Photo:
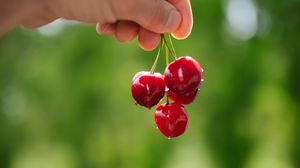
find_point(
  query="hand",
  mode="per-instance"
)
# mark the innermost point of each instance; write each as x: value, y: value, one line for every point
x: 147, y: 24
x: 125, y: 19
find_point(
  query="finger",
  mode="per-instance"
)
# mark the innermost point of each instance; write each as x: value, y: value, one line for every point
x: 106, y: 28
x: 148, y: 40
x: 38, y: 22
x: 158, y: 16
x: 185, y: 28
x: 126, y: 31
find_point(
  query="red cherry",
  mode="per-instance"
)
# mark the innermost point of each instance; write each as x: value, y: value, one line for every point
x: 147, y: 89
x: 139, y: 74
x: 171, y: 119
x: 183, y: 99
x: 183, y: 75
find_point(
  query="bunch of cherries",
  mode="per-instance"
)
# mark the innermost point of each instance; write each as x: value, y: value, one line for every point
x: 180, y: 82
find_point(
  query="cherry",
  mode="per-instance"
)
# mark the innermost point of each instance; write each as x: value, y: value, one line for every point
x: 147, y: 89
x: 183, y: 99
x: 138, y: 74
x: 183, y: 75
x: 171, y: 119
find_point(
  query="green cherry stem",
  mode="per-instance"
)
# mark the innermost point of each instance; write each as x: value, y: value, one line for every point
x: 169, y: 45
x: 157, y: 57
x: 167, y: 62
x: 167, y: 54
x: 172, y: 46
x: 167, y: 98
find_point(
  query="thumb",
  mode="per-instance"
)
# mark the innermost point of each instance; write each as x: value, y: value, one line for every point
x: 158, y: 16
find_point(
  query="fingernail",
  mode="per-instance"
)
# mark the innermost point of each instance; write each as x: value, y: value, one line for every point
x: 173, y: 21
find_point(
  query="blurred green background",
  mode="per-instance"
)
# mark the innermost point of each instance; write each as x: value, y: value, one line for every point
x: 65, y: 98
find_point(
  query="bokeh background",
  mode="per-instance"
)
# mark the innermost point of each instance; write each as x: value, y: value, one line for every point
x: 65, y: 99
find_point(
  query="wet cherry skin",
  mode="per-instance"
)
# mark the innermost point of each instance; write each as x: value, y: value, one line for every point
x: 147, y: 89
x: 171, y: 119
x: 183, y: 75
x: 187, y: 98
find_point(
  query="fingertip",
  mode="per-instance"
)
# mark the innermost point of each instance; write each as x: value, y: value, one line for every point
x: 183, y: 32
x: 98, y: 28
x: 148, y: 40
x: 127, y: 39
x: 186, y: 24
x: 106, y: 29
x: 126, y: 31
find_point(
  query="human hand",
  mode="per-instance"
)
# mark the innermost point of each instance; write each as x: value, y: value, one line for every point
x: 150, y: 20
x: 125, y: 19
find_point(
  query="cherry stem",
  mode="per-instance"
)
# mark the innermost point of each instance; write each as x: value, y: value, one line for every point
x: 168, y: 47
x: 172, y: 46
x: 167, y: 97
x: 169, y: 44
x: 157, y: 57
x: 167, y: 60
x: 167, y: 54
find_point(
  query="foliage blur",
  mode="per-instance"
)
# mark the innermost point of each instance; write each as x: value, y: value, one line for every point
x: 65, y: 99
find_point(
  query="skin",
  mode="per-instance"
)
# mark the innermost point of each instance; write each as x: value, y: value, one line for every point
x: 125, y: 19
